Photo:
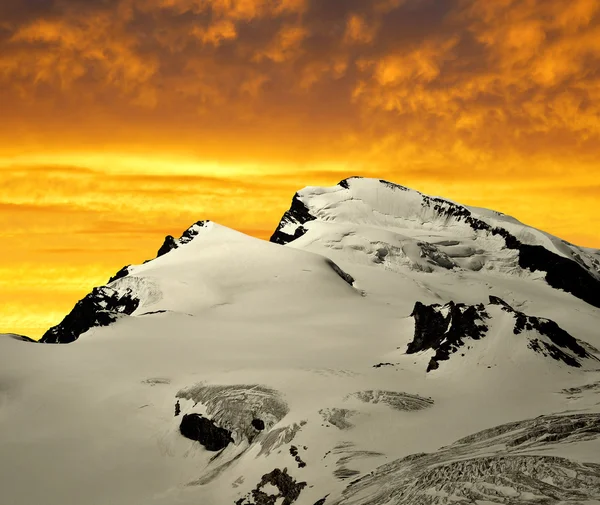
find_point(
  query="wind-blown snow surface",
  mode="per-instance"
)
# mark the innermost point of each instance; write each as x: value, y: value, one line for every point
x: 311, y: 363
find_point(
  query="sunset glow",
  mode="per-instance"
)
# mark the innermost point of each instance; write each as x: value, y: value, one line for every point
x: 126, y: 120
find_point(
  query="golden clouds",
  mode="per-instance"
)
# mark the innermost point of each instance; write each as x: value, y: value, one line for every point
x: 61, y: 52
x: 215, y: 33
x: 358, y: 30
x: 231, y: 105
x: 285, y: 45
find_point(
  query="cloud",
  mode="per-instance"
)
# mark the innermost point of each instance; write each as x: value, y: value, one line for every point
x: 125, y: 115
x: 358, y: 30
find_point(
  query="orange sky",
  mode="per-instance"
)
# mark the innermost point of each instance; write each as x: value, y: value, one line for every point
x: 125, y: 120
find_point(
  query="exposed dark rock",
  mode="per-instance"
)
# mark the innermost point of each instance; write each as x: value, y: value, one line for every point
x: 101, y: 307
x: 345, y: 183
x: 435, y: 255
x: 557, y: 336
x: 177, y: 408
x: 120, y: 274
x: 104, y: 305
x: 296, y: 456
x: 149, y: 313
x: 393, y: 185
x: 443, y: 328
x: 203, y: 430
x: 433, y: 365
x: 546, y: 328
x: 346, y: 276
x: 258, y: 424
x: 297, y: 214
x: 171, y: 242
x: 495, y: 300
x: 379, y: 365
x: 321, y: 501
x: 287, y: 488
x: 561, y: 273
x: 168, y: 245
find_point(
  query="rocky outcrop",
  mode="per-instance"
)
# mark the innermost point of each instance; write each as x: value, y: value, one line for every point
x: 203, y: 430
x: 561, y: 273
x: 443, y: 328
x: 558, y: 344
x: 188, y: 235
x: 103, y: 306
x: 124, y: 272
x: 286, y: 492
x: 298, y: 214
x: 344, y: 275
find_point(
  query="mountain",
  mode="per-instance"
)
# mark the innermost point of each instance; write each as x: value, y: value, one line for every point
x: 384, y: 347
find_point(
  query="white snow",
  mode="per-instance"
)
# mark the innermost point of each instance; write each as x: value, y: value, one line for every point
x: 92, y: 422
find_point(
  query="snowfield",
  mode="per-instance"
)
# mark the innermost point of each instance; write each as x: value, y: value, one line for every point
x: 386, y: 347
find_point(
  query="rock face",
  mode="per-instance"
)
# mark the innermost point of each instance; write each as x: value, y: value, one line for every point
x: 297, y: 215
x: 171, y: 242
x: 105, y: 304
x: 444, y: 328
x: 287, y: 490
x: 124, y: 272
x: 344, y: 275
x: 557, y: 344
x: 561, y: 273
x: 101, y: 307
x: 203, y: 430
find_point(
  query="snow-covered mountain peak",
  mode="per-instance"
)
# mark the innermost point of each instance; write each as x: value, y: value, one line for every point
x: 371, y: 221
x: 209, y: 266
x: 397, y: 349
x: 371, y: 202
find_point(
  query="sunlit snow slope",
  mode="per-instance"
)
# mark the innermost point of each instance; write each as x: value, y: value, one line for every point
x: 386, y: 347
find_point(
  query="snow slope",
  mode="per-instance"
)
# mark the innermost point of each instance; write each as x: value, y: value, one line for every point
x: 390, y: 324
